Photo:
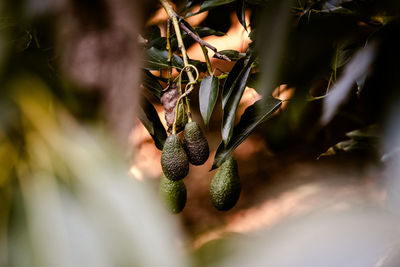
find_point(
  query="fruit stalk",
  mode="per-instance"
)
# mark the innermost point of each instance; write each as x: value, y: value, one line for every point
x: 174, y: 17
x: 169, y: 51
x: 186, y: 92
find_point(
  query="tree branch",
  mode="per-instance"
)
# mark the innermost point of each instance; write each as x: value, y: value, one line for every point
x: 202, y: 42
x: 172, y: 15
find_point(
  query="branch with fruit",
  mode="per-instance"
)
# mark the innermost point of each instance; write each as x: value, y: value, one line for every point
x: 168, y: 53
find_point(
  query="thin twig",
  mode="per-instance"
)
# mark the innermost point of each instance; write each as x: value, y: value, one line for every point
x: 202, y: 42
x: 169, y: 51
x: 173, y: 16
x: 205, y: 53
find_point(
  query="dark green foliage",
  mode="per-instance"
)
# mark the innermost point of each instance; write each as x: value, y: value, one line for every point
x: 313, y: 47
x: 174, y: 161
x: 252, y: 117
x: 231, y: 54
x: 208, y: 94
x: 149, y: 117
x: 195, y: 144
x: 240, y: 12
x: 172, y: 194
x: 157, y: 59
x: 225, y: 186
x: 209, y: 4
x: 232, y: 93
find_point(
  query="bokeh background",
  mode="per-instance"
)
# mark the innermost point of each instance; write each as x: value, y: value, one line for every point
x: 79, y: 172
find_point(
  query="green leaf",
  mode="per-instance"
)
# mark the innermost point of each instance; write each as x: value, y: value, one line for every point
x: 209, y: 4
x: 159, y: 43
x: 208, y: 94
x: 232, y: 93
x: 371, y: 132
x: 189, y: 4
x: 205, y: 31
x: 230, y: 80
x: 157, y: 59
x: 150, y: 82
x: 240, y: 13
x: 232, y: 54
x: 364, y: 141
x: 253, y: 116
x: 149, y: 117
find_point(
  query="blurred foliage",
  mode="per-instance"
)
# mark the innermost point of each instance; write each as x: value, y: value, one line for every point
x: 65, y: 193
x: 66, y: 198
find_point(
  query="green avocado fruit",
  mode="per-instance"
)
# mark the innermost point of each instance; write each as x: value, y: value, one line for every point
x: 225, y: 186
x: 172, y: 194
x: 195, y: 144
x: 174, y: 161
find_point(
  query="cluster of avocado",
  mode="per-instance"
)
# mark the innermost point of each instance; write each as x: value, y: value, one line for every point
x: 175, y: 158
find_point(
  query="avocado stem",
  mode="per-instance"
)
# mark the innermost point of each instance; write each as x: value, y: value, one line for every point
x: 169, y: 51
x: 192, y: 81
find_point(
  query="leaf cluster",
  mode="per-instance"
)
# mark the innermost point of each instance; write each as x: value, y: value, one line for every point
x: 330, y: 52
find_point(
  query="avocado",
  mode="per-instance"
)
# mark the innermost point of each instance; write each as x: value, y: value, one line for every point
x: 172, y: 194
x: 196, y: 145
x: 174, y: 161
x: 225, y: 186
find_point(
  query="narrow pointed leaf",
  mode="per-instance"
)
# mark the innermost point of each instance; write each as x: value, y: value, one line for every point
x: 205, y: 31
x: 209, y: 4
x: 156, y: 59
x: 149, y: 117
x: 230, y: 80
x: 231, y: 99
x: 240, y: 13
x: 231, y: 54
x: 251, y: 118
x: 189, y: 4
x: 208, y: 94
